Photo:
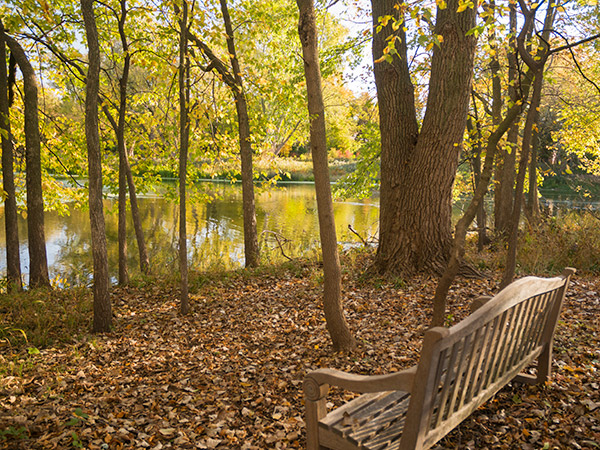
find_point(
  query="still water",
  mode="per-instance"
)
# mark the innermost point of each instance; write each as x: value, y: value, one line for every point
x: 286, y: 216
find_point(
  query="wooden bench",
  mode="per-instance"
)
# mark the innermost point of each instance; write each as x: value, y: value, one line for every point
x: 459, y: 369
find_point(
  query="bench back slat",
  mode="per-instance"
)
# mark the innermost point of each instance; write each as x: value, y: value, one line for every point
x: 463, y: 366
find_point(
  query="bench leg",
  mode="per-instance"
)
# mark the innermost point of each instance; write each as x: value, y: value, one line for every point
x: 544, y: 369
x: 315, y: 410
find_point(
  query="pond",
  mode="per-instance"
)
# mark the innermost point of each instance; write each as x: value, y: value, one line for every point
x: 286, y: 215
x: 286, y: 219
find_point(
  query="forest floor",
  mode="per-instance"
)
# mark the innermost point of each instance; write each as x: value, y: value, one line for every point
x: 229, y: 376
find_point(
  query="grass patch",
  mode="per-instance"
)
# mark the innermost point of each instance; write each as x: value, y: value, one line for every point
x: 41, y: 318
x: 571, y: 240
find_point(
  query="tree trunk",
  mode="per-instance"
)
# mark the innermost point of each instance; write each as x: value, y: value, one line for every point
x: 511, y: 258
x: 332, y: 298
x: 505, y: 166
x: 120, y: 135
x: 251, y: 251
x: 13, y: 260
x: 460, y: 231
x: 102, y: 306
x: 184, y: 127
x: 536, y: 65
x: 123, y: 158
x: 532, y: 209
x: 122, y: 224
x: 416, y: 189
x: 137, y: 221
x: 38, y: 264
x: 475, y: 136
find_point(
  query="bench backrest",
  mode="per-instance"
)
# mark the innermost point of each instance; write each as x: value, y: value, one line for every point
x: 463, y: 366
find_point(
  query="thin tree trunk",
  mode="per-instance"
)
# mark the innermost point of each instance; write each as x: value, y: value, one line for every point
x: 533, y: 203
x: 137, y: 221
x: 505, y: 166
x: 102, y: 306
x: 475, y: 136
x: 183, y: 155
x: 135, y: 211
x: 13, y: 260
x: 251, y: 250
x: 38, y: 263
x: 123, y: 157
x: 122, y: 223
x: 536, y: 65
x: 332, y: 298
x: 120, y: 134
x: 511, y: 257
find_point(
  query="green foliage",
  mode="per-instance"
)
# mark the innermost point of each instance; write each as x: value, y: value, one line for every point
x: 363, y: 181
x: 14, y: 433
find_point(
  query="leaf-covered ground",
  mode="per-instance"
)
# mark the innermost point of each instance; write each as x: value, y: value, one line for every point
x: 229, y: 376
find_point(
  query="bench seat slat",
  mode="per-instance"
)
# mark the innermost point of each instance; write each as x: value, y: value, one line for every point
x: 370, y: 415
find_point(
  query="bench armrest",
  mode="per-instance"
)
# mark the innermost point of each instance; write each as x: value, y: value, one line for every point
x: 402, y: 381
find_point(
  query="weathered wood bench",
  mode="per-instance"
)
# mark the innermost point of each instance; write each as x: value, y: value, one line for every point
x: 459, y: 369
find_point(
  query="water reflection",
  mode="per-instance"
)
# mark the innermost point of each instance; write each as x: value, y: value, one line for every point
x: 215, y: 231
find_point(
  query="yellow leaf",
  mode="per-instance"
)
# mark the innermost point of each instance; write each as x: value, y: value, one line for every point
x: 462, y: 7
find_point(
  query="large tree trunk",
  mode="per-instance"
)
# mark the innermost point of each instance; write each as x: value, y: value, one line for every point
x: 332, y: 298
x: 460, y: 230
x: 416, y: 201
x: 395, y: 97
x: 38, y: 264
x: 251, y: 251
x: 102, y: 306
x: 13, y: 260
x: 184, y: 134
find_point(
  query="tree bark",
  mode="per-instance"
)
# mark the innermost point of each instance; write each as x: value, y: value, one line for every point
x: 251, y: 251
x: 120, y: 134
x: 123, y: 158
x: 137, y: 221
x: 416, y: 187
x: 102, y: 306
x: 475, y: 135
x: 505, y: 165
x: 184, y: 127
x: 332, y: 298
x: 460, y: 230
x: 38, y: 263
x: 532, y: 208
x: 536, y: 66
x: 13, y: 260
